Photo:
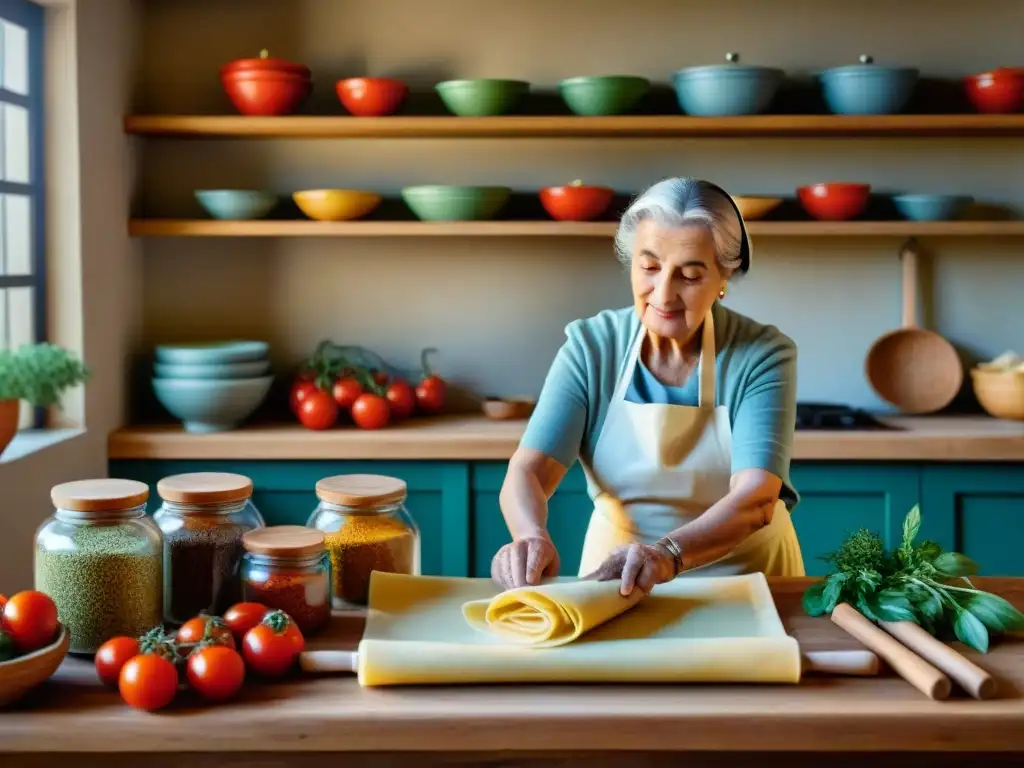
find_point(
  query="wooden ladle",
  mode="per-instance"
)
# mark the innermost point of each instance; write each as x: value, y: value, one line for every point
x: 916, y: 370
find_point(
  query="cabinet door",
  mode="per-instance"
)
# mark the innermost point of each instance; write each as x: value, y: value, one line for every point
x: 568, y: 514
x: 981, y: 507
x: 837, y: 499
x: 284, y: 493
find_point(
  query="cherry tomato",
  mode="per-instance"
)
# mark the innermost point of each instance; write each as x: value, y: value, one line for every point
x: 346, y: 391
x: 113, y: 655
x: 318, y: 410
x: 148, y: 682
x: 216, y: 672
x: 300, y: 388
x: 430, y: 394
x: 380, y: 378
x: 401, y: 399
x: 271, y: 647
x: 242, y: 617
x: 30, y: 618
x: 371, y: 412
x: 210, y: 628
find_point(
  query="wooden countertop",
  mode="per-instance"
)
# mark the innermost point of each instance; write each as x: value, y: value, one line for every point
x: 932, y: 438
x: 73, y: 713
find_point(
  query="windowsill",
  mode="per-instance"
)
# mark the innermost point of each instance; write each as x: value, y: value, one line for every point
x: 30, y: 441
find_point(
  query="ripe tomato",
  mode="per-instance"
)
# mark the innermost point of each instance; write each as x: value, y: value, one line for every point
x: 242, y: 617
x: 113, y: 655
x: 318, y: 410
x: 380, y: 378
x: 271, y: 647
x: 3, y: 601
x: 401, y: 399
x: 371, y: 411
x: 216, y: 672
x: 430, y: 394
x: 346, y: 391
x: 148, y: 682
x: 209, y: 628
x: 30, y: 618
x: 300, y: 388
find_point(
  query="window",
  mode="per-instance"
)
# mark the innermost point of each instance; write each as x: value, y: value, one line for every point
x: 22, y: 250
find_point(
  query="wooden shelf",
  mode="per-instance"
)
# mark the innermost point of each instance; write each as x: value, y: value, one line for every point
x: 604, y: 229
x: 345, y: 127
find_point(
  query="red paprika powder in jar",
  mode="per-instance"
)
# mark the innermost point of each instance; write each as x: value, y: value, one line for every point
x: 287, y: 567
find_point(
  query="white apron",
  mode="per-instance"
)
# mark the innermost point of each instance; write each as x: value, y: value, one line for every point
x: 657, y: 467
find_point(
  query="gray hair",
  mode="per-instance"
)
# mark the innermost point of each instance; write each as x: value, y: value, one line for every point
x: 677, y: 202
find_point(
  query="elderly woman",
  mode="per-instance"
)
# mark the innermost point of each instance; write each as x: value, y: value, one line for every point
x: 681, y: 412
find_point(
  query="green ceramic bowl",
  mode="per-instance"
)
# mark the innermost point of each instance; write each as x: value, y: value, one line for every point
x: 482, y: 97
x: 448, y: 203
x: 603, y: 95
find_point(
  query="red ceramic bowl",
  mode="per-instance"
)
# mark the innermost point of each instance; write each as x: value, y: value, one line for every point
x: 266, y: 94
x: 265, y: 64
x: 371, y: 96
x: 834, y: 201
x: 1000, y: 91
x: 575, y: 202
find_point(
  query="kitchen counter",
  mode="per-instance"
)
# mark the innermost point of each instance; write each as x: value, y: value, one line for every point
x: 475, y: 438
x: 296, y: 721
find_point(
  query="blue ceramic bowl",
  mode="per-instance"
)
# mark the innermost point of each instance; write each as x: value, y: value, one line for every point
x: 721, y: 90
x: 211, y: 405
x: 213, y: 353
x: 932, y: 207
x: 866, y: 89
x: 236, y: 204
x: 212, y: 370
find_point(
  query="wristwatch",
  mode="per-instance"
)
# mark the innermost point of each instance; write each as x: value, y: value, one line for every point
x: 674, y: 550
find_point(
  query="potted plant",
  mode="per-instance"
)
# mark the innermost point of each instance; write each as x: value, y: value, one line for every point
x: 39, y: 374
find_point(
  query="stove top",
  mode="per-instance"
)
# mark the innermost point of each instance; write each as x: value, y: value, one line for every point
x: 833, y: 416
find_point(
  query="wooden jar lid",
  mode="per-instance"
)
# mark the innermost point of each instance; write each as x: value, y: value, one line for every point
x: 205, y: 488
x: 284, y: 541
x: 361, y: 491
x: 104, y: 495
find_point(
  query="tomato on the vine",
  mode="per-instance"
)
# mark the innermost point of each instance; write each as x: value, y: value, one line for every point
x: 430, y: 394
x: 346, y: 391
x: 272, y: 646
x: 318, y: 410
x: 300, y: 388
x: 148, y: 682
x: 30, y: 618
x: 242, y: 617
x: 401, y: 399
x: 113, y: 655
x: 216, y: 672
x: 210, y: 629
x: 371, y: 411
x: 380, y: 378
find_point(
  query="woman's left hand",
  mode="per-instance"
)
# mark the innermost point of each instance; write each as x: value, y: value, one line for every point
x: 638, y: 565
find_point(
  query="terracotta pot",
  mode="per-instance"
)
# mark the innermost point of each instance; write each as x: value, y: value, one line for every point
x: 9, y: 410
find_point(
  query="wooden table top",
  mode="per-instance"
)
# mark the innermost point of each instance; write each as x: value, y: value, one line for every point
x: 73, y: 713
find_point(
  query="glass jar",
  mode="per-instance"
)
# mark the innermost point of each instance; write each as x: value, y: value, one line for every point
x: 99, y: 557
x: 367, y: 528
x: 287, y: 567
x: 203, y: 517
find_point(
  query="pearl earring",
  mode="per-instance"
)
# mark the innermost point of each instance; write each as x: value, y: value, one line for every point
x: 721, y: 293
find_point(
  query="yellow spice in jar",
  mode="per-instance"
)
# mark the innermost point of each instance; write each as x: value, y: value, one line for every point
x: 367, y: 543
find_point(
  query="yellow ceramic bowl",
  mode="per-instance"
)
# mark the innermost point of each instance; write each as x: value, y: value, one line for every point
x: 755, y: 207
x: 336, y: 204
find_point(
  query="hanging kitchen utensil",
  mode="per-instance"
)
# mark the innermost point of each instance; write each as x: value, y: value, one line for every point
x: 916, y: 370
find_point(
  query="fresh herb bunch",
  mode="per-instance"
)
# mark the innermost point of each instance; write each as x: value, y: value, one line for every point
x: 918, y: 583
x: 39, y: 374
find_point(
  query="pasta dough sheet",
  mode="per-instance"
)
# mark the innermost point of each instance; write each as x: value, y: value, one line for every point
x: 549, y: 615
x: 716, y: 629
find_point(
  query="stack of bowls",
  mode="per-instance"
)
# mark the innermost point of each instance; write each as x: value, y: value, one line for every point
x: 867, y: 89
x: 726, y: 90
x: 265, y: 86
x: 212, y: 387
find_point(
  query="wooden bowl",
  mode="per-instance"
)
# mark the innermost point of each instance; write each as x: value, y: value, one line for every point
x: 1001, y: 393
x: 753, y: 207
x: 19, y: 676
x: 508, y: 408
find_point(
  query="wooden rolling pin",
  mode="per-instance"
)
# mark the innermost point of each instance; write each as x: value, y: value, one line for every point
x: 851, y: 663
x: 972, y: 678
x: 911, y: 667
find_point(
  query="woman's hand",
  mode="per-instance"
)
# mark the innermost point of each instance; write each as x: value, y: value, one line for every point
x: 638, y: 565
x: 524, y: 562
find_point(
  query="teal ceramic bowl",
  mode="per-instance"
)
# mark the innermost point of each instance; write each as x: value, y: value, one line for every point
x: 211, y: 405
x: 213, y: 353
x: 932, y: 207
x: 449, y: 203
x: 603, y: 95
x: 212, y: 370
x: 236, y: 204
x: 484, y: 97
